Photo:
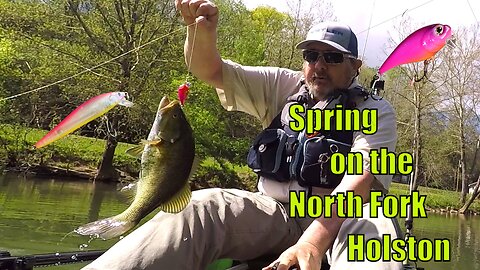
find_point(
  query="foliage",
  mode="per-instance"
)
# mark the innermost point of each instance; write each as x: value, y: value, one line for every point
x: 42, y: 42
x: 76, y: 151
x: 223, y: 174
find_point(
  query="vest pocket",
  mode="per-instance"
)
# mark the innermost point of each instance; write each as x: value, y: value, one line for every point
x: 268, y: 156
x: 315, y: 169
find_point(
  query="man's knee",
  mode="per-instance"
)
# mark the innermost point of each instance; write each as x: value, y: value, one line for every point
x: 369, y: 228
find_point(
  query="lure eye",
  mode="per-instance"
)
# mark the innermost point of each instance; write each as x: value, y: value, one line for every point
x: 439, y: 30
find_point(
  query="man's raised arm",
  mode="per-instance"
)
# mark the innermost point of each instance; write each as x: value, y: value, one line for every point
x: 205, y: 63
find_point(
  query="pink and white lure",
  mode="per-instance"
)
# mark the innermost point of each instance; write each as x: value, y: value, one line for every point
x: 83, y: 114
x: 421, y: 45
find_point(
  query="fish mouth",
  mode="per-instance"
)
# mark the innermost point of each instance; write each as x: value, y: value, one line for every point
x: 166, y: 104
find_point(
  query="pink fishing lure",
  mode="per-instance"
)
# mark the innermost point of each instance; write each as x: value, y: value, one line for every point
x: 421, y: 45
x: 183, y: 92
x: 88, y: 111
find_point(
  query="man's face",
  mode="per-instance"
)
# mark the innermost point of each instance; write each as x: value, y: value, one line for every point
x: 322, y: 77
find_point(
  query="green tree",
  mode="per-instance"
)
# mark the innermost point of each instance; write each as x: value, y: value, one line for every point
x: 460, y: 81
x: 117, y: 29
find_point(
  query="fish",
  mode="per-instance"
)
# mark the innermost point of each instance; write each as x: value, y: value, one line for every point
x: 167, y: 159
x: 421, y: 45
x: 83, y: 114
x: 182, y: 92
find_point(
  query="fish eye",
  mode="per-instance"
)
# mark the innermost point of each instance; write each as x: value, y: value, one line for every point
x: 439, y: 30
x: 174, y: 115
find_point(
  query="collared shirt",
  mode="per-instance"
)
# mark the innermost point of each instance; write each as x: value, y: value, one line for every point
x: 263, y: 92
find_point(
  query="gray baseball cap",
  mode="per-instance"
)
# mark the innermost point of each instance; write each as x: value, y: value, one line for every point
x: 337, y: 35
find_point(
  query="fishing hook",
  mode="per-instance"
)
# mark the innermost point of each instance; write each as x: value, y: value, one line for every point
x: 425, y: 71
x: 110, y: 128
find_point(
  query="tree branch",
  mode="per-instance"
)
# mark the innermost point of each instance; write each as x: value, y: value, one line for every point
x: 110, y: 26
x: 74, y: 8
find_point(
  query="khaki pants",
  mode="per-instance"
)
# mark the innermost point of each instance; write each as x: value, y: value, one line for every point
x: 228, y: 223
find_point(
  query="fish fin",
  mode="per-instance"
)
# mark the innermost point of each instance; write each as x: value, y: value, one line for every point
x: 106, y: 228
x: 179, y: 200
x: 126, y: 103
x: 129, y: 191
x: 152, y: 142
x: 129, y: 187
x: 135, y: 151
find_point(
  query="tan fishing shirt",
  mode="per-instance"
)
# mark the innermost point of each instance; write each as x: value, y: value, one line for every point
x: 262, y: 92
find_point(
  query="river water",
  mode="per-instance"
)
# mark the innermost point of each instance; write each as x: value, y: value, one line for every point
x: 37, y: 215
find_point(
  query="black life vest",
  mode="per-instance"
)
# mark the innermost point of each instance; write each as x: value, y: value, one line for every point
x: 281, y: 154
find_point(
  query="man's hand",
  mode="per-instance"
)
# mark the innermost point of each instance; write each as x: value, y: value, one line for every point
x: 308, y: 252
x: 205, y: 13
x: 303, y: 254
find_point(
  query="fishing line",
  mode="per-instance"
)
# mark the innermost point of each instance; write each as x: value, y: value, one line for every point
x: 191, y: 52
x: 408, y: 10
x: 476, y: 20
x: 94, y: 67
x: 64, y: 53
x: 182, y: 90
x: 368, y: 30
x: 96, y: 73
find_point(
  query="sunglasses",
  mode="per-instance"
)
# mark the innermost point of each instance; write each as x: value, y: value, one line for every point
x: 330, y: 57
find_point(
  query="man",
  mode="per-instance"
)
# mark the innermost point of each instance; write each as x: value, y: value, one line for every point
x: 230, y: 223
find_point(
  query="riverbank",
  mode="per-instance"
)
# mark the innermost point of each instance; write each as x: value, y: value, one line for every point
x: 78, y: 156
x: 438, y: 200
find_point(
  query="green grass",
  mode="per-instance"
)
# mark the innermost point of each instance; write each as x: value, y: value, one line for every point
x: 436, y: 198
x: 72, y: 150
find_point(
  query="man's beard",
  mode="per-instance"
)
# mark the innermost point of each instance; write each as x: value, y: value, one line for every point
x: 318, y: 92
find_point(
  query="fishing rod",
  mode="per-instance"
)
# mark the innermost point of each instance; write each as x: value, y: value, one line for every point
x: 28, y: 262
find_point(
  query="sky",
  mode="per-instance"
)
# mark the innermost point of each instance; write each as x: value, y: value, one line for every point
x: 357, y: 15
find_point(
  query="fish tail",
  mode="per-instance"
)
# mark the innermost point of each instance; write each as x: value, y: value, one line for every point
x: 106, y: 228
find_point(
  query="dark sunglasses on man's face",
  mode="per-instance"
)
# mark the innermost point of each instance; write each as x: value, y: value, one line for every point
x: 330, y: 57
